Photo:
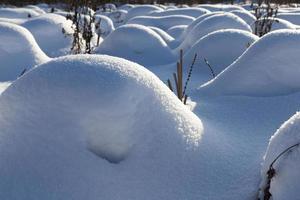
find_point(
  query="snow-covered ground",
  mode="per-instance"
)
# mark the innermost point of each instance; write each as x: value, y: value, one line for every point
x: 106, y: 126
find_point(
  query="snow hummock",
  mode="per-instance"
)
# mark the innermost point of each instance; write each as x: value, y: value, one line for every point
x: 285, y: 183
x: 213, y: 23
x: 106, y: 25
x: 137, y: 43
x: 52, y: 32
x: 214, y: 47
x: 279, y: 24
x: 18, y: 51
x: 164, y: 22
x: 247, y: 16
x: 268, y: 68
x: 64, y: 120
x: 291, y: 17
x: 18, y: 13
x: 192, y: 12
x: 141, y: 10
x: 176, y: 31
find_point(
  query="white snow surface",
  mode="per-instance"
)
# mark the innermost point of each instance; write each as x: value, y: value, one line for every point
x: 247, y: 16
x: 285, y: 183
x: 164, y: 22
x: 210, y: 24
x: 106, y: 25
x: 291, y: 17
x: 176, y: 31
x: 263, y: 70
x: 141, y: 10
x: 17, y: 13
x: 64, y: 120
x: 137, y: 43
x: 192, y: 12
x: 48, y: 29
x: 18, y: 51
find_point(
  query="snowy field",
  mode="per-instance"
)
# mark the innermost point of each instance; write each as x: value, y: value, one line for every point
x: 106, y: 125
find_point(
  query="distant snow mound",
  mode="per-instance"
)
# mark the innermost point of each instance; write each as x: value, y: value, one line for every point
x: 268, y: 68
x: 215, y: 46
x: 220, y: 7
x: 18, y: 51
x: 52, y: 32
x: 247, y: 16
x: 17, y: 13
x: 141, y: 10
x: 164, y: 22
x: 285, y: 184
x: 291, y: 17
x: 213, y: 23
x: 62, y: 121
x: 192, y: 12
x: 176, y: 31
x: 279, y: 24
x: 137, y: 43
x: 105, y: 25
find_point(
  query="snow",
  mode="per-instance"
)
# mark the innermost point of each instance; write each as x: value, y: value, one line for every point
x: 192, y: 12
x: 214, y: 48
x: 245, y: 15
x: 279, y: 24
x: 165, y: 36
x: 18, y: 51
x: 18, y: 13
x: 126, y: 7
x: 291, y: 17
x: 106, y: 25
x: 220, y: 7
x: 137, y: 43
x: 48, y: 32
x: 284, y: 184
x: 262, y: 70
x: 67, y: 118
x: 164, y: 22
x: 210, y: 24
x: 141, y: 10
x: 176, y: 31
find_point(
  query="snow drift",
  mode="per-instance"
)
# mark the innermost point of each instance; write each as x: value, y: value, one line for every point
x: 192, y: 12
x: 285, y: 183
x: 141, y: 10
x: 164, y: 22
x: 268, y: 68
x: 18, y: 51
x: 62, y: 121
x: 137, y: 43
x: 52, y: 32
x: 215, y: 46
x: 13, y: 13
x: 213, y: 23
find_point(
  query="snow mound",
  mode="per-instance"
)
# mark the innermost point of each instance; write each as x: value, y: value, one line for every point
x: 62, y: 121
x: 118, y: 17
x: 214, y: 48
x: 141, y: 10
x: 220, y: 7
x: 197, y: 21
x: 279, y: 24
x: 263, y: 70
x: 176, y: 31
x: 16, y: 13
x: 137, y: 43
x: 106, y: 25
x: 245, y: 15
x: 164, y: 35
x: 291, y: 17
x: 126, y: 7
x: 192, y: 12
x: 164, y: 22
x: 52, y: 32
x: 213, y: 23
x: 36, y: 9
x: 285, y: 183
x: 18, y: 51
